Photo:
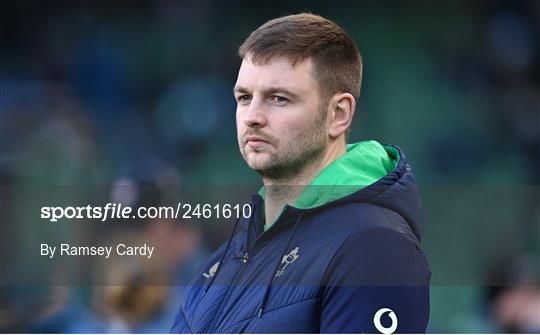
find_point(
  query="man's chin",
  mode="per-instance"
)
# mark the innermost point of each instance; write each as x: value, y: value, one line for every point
x: 259, y: 166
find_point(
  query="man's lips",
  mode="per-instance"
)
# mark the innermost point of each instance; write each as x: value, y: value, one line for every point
x: 255, y: 140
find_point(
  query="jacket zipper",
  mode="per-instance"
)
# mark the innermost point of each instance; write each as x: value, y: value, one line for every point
x: 238, y: 274
x: 272, y: 227
x: 243, y: 266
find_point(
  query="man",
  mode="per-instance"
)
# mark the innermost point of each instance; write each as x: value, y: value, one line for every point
x: 333, y: 242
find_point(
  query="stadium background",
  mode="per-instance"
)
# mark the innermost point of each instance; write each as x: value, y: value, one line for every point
x: 140, y: 93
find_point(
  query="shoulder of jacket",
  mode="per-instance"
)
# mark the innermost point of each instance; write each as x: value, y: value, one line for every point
x: 362, y: 217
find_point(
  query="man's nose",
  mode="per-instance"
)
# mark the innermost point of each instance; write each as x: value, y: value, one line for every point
x: 256, y: 114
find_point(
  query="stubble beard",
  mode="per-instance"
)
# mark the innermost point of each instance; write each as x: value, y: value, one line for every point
x: 293, y: 156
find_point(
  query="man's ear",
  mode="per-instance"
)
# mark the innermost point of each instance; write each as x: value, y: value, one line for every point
x: 342, y: 107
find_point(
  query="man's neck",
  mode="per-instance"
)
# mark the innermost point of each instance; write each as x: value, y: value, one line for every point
x: 279, y: 192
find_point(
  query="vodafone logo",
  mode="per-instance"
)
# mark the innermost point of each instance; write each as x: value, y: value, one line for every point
x: 377, y: 321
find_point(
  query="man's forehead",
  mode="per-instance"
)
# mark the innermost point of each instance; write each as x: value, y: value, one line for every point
x: 276, y: 72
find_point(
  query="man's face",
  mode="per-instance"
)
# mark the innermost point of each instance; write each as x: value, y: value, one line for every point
x: 280, y: 120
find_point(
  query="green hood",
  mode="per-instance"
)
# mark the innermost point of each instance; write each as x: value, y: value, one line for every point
x: 363, y: 164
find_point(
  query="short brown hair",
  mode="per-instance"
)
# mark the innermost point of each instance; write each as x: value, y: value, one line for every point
x: 336, y: 58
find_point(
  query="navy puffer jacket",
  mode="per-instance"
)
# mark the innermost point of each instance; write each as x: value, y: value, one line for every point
x: 352, y: 263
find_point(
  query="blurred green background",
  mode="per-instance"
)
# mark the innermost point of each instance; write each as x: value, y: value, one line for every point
x: 136, y: 93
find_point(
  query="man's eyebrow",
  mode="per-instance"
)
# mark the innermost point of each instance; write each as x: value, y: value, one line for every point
x: 267, y: 91
x: 240, y: 89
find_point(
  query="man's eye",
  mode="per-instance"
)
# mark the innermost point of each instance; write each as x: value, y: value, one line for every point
x: 244, y: 98
x: 278, y: 99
